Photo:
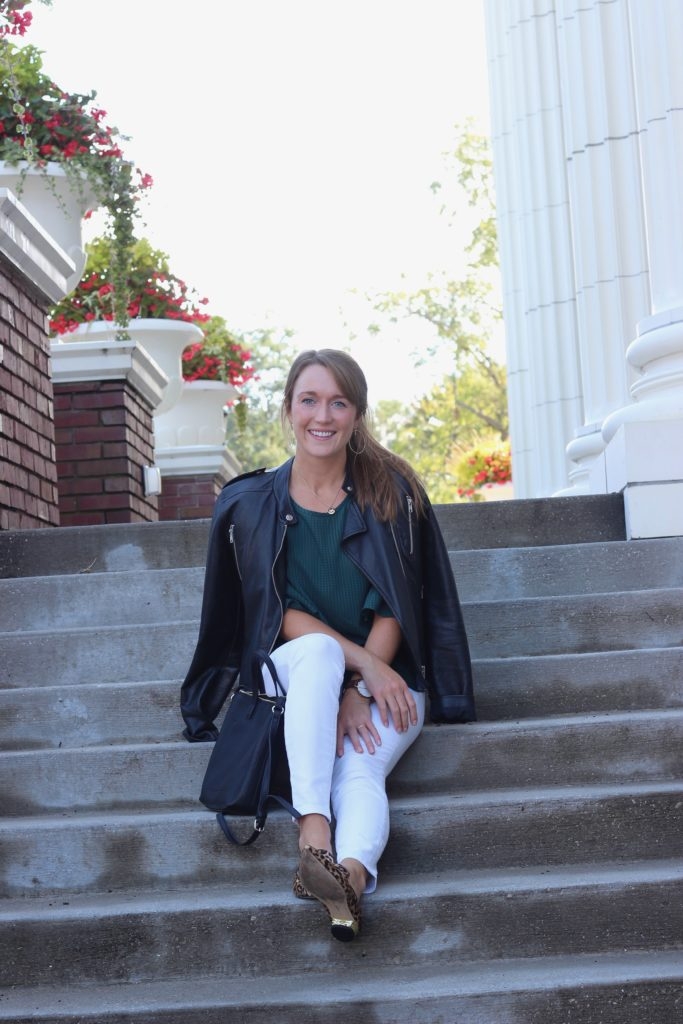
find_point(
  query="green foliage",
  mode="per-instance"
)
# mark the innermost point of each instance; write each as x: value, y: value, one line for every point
x: 260, y: 441
x: 431, y: 433
x: 463, y: 316
x: 150, y: 289
x: 42, y: 125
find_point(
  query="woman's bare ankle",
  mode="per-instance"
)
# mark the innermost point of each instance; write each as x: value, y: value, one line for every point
x: 314, y: 830
x: 358, y: 875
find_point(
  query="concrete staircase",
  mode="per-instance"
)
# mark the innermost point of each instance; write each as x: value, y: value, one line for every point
x: 534, y: 874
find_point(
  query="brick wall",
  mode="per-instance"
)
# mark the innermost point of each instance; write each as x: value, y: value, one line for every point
x: 105, y: 436
x: 28, y: 481
x: 189, y: 497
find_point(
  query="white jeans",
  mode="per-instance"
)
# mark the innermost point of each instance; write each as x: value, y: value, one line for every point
x: 351, y: 789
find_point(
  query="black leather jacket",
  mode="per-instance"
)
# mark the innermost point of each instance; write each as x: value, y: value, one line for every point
x: 242, y: 609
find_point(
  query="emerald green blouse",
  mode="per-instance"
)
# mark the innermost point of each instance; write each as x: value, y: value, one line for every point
x: 324, y: 582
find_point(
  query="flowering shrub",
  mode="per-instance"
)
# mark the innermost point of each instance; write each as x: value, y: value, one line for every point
x: 481, y: 466
x: 220, y: 356
x: 41, y: 124
x: 150, y: 289
x: 16, y: 20
x: 153, y: 292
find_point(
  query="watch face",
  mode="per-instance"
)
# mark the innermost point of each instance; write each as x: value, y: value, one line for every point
x: 363, y: 690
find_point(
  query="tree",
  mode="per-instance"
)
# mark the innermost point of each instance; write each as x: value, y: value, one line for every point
x: 434, y: 433
x: 253, y: 432
x: 464, y: 316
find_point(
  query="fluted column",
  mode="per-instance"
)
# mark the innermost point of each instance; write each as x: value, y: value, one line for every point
x: 608, y: 232
x: 507, y: 176
x: 536, y: 252
x: 644, y: 453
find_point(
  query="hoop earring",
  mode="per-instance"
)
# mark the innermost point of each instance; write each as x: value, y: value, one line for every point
x: 352, y: 449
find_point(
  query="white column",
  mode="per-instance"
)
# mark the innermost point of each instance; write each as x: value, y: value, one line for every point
x: 644, y: 453
x: 507, y: 182
x: 608, y: 233
x: 536, y: 255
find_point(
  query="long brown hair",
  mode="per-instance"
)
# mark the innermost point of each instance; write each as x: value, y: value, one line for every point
x: 373, y: 467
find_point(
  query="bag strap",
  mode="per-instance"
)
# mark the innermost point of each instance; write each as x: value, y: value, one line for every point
x: 261, y: 657
x: 258, y: 659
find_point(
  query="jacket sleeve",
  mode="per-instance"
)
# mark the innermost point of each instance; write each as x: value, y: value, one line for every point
x: 215, y: 664
x: 448, y: 668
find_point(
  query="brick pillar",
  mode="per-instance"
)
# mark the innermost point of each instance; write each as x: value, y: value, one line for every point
x: 192, y: 478
x: 188, y: 497
x: 28, y: 479
x: 105, y: 438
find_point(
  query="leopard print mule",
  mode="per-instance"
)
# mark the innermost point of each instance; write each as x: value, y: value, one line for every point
x: 328, y: 882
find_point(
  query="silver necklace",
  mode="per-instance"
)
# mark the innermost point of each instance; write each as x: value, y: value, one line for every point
x: 331, y: 507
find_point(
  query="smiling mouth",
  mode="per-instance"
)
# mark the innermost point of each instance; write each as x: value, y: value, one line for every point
x: 323, y: 434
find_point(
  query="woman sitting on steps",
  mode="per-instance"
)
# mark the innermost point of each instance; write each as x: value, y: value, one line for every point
x: 335, y: 564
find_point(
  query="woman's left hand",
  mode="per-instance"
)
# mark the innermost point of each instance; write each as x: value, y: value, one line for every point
x: 355, y: 721
x: 394, y: 700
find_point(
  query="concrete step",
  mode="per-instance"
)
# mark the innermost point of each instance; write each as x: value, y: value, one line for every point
x: 575, y: 624
x: 496, y: 629
x: 146, y: 596
x: 436, y: 920
x: 610, y: 988
x: 91, y: 714
x: 115, y: 852
x: 101, y: 599
x: 578, y: 750
x: 514, y: 573
x: 110, y: 548
x: 80, y: 549
x: 558, y: 684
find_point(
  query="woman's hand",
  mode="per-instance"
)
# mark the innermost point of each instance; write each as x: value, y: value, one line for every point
x: 355, y: 721
x: 392, y: 695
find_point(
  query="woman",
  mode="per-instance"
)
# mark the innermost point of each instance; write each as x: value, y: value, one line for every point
x: 334, y: 563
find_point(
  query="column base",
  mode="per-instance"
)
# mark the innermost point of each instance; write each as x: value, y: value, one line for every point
x: 644, y: 460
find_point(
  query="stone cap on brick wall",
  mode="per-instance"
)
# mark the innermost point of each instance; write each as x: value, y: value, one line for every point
x: 81, y: 361
x: 32, y: 250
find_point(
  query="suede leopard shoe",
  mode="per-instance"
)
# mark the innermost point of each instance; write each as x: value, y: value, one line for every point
x: 328, y: 882
x: 299, y: 890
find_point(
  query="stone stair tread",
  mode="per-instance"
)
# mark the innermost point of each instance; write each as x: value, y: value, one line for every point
x: 95, y: 852
x: 634, y: 746
x: 530, y: 724
x: 595, y: 518
x: 451, y: 801
x: 210, y: 898
x: 94, y: 713
x: 493, y: 609
x: 411, y: 985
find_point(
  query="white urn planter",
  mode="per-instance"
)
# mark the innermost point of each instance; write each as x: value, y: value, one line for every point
x: 164, y: 341
x: 190, y: 437
x: 57, y: 204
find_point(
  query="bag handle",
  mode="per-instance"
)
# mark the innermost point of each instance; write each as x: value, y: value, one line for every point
x: 259, y: 658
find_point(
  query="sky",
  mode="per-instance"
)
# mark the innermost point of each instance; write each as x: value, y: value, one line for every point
x: 292, y: 145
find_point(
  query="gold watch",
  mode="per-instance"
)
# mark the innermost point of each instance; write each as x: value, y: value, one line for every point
x: 359, y: 685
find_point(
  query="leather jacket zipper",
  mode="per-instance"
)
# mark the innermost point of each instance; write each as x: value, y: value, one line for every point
x: 398, y: 549
x: 234, y: 547
x: 410, y: 521
x: 272, y: 574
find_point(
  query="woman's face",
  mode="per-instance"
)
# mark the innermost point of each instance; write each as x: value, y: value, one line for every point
x: 322, y: 418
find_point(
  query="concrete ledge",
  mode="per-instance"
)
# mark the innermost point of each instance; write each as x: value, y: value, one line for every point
x: 497, y: 524
x: 533, y: 522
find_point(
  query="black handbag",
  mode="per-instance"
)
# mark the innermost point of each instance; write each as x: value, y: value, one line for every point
x: 248, y: 766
